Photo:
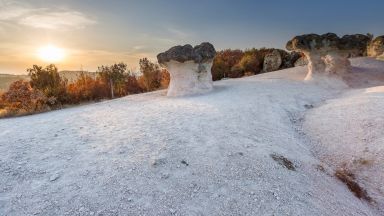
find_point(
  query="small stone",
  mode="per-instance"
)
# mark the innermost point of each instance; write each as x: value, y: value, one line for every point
x: 184, y: 162
x: 308, y: 106
x: 54, y: 177
x: 165, y: 176
x: 173, y: 211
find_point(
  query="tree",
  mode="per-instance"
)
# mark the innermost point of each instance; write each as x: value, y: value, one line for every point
x: 114, y: 75
x: 151, y: 75
x: 48, y: 81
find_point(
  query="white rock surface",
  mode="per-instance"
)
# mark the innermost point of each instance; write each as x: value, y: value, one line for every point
x: 226, y: 137
x: 189, y: 78
x: 189, y: 68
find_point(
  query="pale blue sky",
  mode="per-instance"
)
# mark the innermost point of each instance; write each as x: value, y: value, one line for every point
x: 95, y: 32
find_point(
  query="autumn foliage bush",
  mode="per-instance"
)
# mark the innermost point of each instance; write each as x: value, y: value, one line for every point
x: 22, y: 99
x: 224, y: 64
x: 87, y: 88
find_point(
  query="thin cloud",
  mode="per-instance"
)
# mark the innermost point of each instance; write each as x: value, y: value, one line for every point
x: 57, y: 20
x: 45, y: 18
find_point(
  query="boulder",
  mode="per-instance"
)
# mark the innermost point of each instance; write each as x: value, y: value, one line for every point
x: 189, y: 68
x: 376, y: 47
x: 272, y: 61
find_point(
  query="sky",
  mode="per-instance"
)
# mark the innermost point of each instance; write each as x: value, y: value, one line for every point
x: 91, y: 33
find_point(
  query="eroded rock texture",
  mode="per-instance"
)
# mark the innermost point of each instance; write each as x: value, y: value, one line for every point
x: 376, y: 47
x: 189, y: 68
x: 328, y: 54
x: 272, y: 61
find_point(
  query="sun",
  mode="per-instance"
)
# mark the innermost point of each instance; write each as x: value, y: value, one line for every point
x: 51, y: 53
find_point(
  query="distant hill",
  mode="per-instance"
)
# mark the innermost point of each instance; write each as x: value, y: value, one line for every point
x: 7, y: 79
x: 73, y: 75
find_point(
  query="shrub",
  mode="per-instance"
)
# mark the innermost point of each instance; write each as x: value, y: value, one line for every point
x: 250, y: 63
x: 2, y: 103
x: 87, y: 88
x: 236, y: 71
x: 48, y: 81
x: 151, y: 76
x: 132, y: 84
x: 21, y: 99
x: 224, y: 62
x: 165, y: 79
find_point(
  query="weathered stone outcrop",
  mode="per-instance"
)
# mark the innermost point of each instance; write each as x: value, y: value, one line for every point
x: 272, y: 61
x: 326, y: 54
x: 289, y: 59
x: 277, y: 59
x: 376, y: 47
x: 189, y: 68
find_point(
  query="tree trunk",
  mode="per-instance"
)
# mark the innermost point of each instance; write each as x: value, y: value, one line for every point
x: 111, y: 84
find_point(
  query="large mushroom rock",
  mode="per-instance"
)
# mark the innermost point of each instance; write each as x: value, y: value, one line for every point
x: 323, y: 53
x: 189, y: 68
x: 376, y: 47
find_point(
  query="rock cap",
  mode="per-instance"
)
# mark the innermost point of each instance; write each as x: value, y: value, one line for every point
x: 199, y: 54
x: 308, y: 42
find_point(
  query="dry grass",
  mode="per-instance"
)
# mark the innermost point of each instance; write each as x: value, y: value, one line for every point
x: 349, y: 179
x: 283, y: 161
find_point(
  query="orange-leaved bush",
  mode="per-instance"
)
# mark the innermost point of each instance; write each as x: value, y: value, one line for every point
x: 21, y: 99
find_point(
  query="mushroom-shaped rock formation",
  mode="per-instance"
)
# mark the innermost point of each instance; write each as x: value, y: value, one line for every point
x: 325, y: 53
x: 376, y: 47
x: 189, y: 68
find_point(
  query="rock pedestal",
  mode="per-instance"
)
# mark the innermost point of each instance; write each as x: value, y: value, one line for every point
x: 189, y: 68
